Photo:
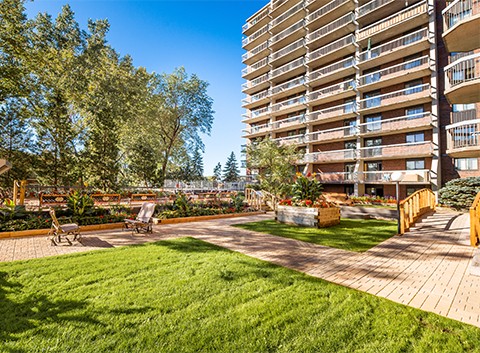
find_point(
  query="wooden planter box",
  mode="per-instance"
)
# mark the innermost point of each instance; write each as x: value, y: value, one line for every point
x: 308, y: 216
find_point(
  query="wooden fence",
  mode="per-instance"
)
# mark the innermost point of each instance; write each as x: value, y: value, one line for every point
x: 475, y: 222
x: 259, y: 199
x: 414, y: 206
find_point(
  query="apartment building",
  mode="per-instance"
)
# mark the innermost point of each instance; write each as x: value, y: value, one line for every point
x: 358, y: 86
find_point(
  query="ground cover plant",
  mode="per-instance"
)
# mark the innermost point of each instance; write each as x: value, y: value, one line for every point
x: 351, y: 234
x: 185, y: 295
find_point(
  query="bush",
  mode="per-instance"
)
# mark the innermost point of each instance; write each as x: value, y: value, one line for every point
x: 459, y: 193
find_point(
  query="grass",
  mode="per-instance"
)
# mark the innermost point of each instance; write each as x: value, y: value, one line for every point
x: 351, y: 234
x: 188, y: 296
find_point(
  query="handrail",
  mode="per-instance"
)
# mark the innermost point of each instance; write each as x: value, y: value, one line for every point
x: 414, y: 206
x: 257, y: 199
x: 475, y: 221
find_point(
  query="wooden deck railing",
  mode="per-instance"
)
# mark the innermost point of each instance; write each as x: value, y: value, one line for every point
x: 258, y: 199
x: 414, y: 206
x: 475, y: 222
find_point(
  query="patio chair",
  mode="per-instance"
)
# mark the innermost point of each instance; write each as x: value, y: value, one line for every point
x: 143, y: 221
x: 62, y: 231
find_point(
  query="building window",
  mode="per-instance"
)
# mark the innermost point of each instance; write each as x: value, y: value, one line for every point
x: 414, y: 112
x: 466, y: 163
x: 372, y: 100
x: 414, y: 87
x: 415, y: 164
x: 349, y: 106
x: 411, y: 62
x: 373, y: 122
x: 415, y: 137
x: 351, y: 127
x: 462, y: 107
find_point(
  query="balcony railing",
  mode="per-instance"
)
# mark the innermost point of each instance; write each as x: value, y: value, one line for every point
x: 463, y: 135
x: 395, y: 44
x: 396, y: 124
x: 288, y: 67
x: 254, y: 67
x: 257, y: 129
x: 336, y: 177
x: 395, y: 97
x: 255, y: 51
x: 393, y: 71
x: 325, y: 9
x: 331, y: 27
x: 332, y: 134
x: 326, y: 70
x: 257, y: 81
x: 409, y: 176
x: 372, y: 6
x: 411, y: 149
x: 284, y: 123
x: 288, y: 49
x: 288, y: 85
x: 296, y: 139
x: 277, y: 3
x: 259, y: 112
x: 256, y: 97
x: 255, y: 35
x: 331, y: 112
x: 285, y: 33
x: 331, y: 156
x: 287, y: 14
x: 332, y: 90
x: 334, y: 46
x: 288, y: 103
x: 464, y: 115
x: 393, y: 20
x: 459, y: 10
x: 256, y: 19
x: 463, y: 70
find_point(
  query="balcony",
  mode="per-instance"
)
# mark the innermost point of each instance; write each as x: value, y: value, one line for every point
x: 256, y: 38
x: 339, y: 112
x: 462, y: 80
x: 332, y: 72
x: 377, y: 9
x: 347, y: 155
x: 256, y: 115
x: 332, y: 31
x: 288, y: 53
x: 403, y: 21
x: 253, y: 23
x: 292, y: 33
x: 257, y: 84
x: 288, y: 106
x: 289, y: 123
x: 329, y: 12
x: 393, y: 75
x: 461, y: 20
x: 291, y: 140
x: 396, y: 49
x: 395, y: 125
x: 398, y: 99
x: 420, y: 176
x: 256, y: 54
x: 256, y: 69
x: 336, y: 177
x: 335, y: 50
x: 463, y: 139
x: 257, y: 99
x: 286, y: 71
x: 288, y: 18
x: 337, y: 91
x: 289, y: 88
x: 338, y: 133
x: 464, y: 115
x: 257, y: 130
x: 400, y: 151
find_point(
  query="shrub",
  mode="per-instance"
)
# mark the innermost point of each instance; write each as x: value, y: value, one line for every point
x: 80, y: 204
x: 459, y: 193
x: 306, y: 187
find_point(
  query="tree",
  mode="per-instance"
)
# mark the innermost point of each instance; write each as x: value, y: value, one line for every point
x: 274, y: 163
x: 197, y: 165
x: 217, y: 172
x: 231, y: 171
x: 459, y: 193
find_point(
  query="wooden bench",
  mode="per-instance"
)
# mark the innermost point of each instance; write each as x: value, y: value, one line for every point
x: 53, y: 199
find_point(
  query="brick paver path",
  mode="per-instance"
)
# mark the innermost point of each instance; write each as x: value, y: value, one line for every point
x: 426, y: 268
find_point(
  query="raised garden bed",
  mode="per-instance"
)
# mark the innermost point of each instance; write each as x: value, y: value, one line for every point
x: 308, y: 216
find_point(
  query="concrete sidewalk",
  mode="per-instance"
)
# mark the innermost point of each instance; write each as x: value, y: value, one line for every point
x: 426, y: 268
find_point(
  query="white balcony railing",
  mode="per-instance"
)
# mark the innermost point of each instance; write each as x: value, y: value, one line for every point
x: 395, y: 124
x: 334, y: 46
x: 333, y: 89
x: 259, y: 112
x: 256, y: 19
x: 393, y: 71
x: 295, y: 139
x: 256, y: 97
x: 332, y: 134
x: 409, y: 176
x: 288, y: 103
x: 463, y: 135
x: 331, y: 27
x: 257, y: 129
x: 372, y: 6
x: 325, y: 9
x: 255, y: 67
x: 285, y: 33
x: 288, y: 85
x: 331, y: 156
x: 463, y: 70
x: 288, y: 67
x: 255, y: 35
x: 255, y: 51
x: 288, y: 49
x: 287, y: 14
x: 395, y: 44
x: 411, y: 149
x: 335, y: 111
x: 395, y: 97
x: 326, y: 70
x: 459, y: 10
x: 284, y: 123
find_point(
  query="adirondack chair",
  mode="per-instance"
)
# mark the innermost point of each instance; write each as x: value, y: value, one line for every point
x: 62, y: 231
x: 143, y: 221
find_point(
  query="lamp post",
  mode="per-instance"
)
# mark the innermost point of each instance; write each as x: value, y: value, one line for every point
x: 397, y: 178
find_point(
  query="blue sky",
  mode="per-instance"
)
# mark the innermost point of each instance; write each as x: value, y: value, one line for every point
x: 204, y: 36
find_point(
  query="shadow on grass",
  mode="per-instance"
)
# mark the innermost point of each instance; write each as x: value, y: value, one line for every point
x: 32, y: 313
x: 189, y: 245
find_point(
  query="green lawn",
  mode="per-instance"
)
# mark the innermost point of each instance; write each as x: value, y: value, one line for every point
x: 188, y: 296
x: 351, y: 234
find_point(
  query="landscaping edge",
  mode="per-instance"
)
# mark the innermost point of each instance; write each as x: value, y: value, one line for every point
x: 93, y: 227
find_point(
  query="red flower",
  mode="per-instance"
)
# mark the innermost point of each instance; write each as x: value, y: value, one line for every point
x: 309, y: 175
x: 308, y: 202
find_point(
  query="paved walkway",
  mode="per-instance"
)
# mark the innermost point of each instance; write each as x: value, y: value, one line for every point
x: 426, y: 268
